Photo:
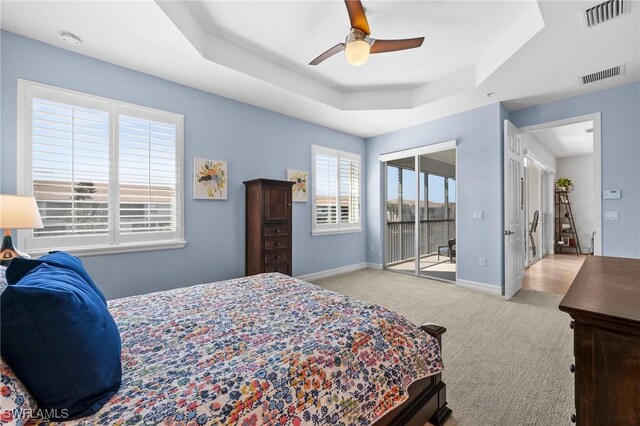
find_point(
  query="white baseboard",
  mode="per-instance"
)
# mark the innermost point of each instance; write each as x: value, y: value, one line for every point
x: 331, y: 272
x: 485, y: 288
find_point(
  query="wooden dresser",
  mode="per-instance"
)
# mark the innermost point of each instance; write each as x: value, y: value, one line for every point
x: 604, y: 302
x: 268, y: 229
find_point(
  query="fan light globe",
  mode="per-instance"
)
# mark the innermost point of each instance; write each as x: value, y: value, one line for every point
x: 357, y: 52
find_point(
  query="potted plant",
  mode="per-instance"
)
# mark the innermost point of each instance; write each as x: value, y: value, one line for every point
x: 564, y: 184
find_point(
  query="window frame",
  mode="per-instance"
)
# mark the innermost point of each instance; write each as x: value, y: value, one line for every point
x: 114, y: 242
x: 334, y: 228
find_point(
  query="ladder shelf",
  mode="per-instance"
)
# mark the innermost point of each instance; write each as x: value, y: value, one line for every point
x: 564, y: 216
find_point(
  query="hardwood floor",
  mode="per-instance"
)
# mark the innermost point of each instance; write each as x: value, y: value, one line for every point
x: 553, y: 274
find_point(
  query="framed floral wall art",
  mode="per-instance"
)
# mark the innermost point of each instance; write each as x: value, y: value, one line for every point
x: 210, y: 181
x: 300, y: 186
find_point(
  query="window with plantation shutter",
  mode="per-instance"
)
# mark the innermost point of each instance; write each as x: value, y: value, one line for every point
x: 147, y: 176
x: 70, y: 169
x: 106, y: 175
x: 349, y: 190
x: 326, y: 188
x: 336, y: 191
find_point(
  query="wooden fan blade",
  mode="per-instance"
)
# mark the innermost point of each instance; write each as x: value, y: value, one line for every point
x: 329, y: 53
x: 356, y: 16
x: 381, y: 46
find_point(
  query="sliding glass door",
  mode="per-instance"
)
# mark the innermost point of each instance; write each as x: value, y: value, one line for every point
x: 420, y: 210
x: 437, y: 226
x: 400, y: 216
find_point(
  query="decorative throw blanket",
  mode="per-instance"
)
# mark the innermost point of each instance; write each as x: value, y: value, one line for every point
x: 267, y: 349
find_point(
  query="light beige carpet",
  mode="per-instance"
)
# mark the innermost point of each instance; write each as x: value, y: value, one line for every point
x: 506, y: 362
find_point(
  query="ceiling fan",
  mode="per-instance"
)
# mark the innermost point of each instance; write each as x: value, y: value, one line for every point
x: 359, y: 45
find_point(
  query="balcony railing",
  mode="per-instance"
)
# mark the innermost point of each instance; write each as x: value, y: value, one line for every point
x: 432, y: 234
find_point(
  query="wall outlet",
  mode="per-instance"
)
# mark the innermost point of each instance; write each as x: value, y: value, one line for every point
x: 478, y: 215
x: 611, y: 215
x: 482, y: 262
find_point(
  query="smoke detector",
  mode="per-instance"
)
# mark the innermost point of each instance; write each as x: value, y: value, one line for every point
x: 70, y: 38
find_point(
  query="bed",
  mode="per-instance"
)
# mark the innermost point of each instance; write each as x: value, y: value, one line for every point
x: 274, y: 350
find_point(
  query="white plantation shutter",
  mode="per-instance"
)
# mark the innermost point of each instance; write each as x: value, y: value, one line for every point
x: 336, y: 190
x: 104, y: 174
x: 148, y: 176
x: 70, y: 169
x: 349, y: 190
x: 326, y: 188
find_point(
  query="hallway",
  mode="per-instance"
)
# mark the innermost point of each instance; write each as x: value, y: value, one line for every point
x: 553, y: 273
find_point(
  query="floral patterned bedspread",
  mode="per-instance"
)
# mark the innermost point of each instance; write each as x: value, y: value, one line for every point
x: 267, y: 349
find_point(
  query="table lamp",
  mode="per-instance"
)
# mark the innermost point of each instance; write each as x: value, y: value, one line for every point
x: 16, y: 212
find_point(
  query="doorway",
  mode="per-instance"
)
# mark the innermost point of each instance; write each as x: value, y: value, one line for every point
x: 538, y: 209
x: 419, y: 196
x: 568, y: 222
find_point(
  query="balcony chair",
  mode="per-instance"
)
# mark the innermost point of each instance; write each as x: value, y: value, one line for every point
x: 448, y: 250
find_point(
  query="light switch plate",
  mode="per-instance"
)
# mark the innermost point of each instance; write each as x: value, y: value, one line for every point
x: 612, y: 194
x: 478, y: 215
x: 611, y: 215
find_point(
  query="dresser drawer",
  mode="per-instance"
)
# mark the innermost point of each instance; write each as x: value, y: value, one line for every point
x: 276, y: 244
x: 283, y: 269
x: 277, y: 230
x: 277, y: 257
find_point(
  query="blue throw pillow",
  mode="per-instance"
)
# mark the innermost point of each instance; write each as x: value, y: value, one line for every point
x: 61, y: 341
x: 19, y: 267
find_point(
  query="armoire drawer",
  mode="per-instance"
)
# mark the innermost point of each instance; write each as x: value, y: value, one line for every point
x: 283, y: 269
x: 276, y: 230
x: 276, y: 244
x: 276, y: 258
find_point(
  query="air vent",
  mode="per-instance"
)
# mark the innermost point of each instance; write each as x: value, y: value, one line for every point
x: 601, y: 75
x: 604, y: 12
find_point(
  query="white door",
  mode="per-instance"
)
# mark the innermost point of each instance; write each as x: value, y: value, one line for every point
x: 514, y: 231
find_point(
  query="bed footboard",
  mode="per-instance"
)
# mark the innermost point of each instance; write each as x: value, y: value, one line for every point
x: 427, y: 397
x: 443, y: 411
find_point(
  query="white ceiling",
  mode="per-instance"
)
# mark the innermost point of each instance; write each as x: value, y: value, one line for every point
x: 293, y: 33
x: 567, y: 141
x: 527, y: 53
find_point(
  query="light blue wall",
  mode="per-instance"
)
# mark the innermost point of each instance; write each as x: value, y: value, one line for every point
x: 620, y: 116
x: 255, y: 142
x: 480, y: 181
x: 479, y: 167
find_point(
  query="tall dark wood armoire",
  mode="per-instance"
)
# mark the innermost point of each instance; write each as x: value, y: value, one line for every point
x: 268, y: 229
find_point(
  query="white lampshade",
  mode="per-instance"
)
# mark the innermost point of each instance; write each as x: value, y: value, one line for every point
x: 19, y: 212
x: 357, y: 52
